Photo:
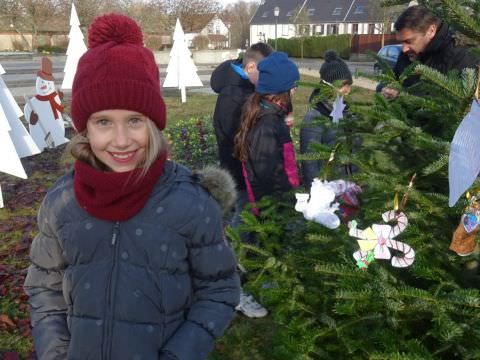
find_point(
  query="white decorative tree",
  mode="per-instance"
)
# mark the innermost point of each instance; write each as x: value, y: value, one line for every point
x: 15, y: 141
x: 181, y: 70
x: 76, y: 48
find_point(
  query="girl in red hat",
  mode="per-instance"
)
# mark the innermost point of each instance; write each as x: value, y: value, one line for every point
x: 130, y: 261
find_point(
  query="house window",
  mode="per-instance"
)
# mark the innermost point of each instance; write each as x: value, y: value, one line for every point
x: 332, y: 29
x: 318, y: 29
x: 217, y: 29
x: 290, y: 13
x: 354, y: 28
x: 371, y: 29
x: 284, y: 30
x: 210, y: 28
x: 304, y: 30
x: 337, y: 11
x: 265, y: 14
x: 360, y: 9
x: 311, y: 12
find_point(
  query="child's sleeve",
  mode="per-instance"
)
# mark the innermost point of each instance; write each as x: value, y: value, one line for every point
x: 216, y: 288
x: 43, y: 285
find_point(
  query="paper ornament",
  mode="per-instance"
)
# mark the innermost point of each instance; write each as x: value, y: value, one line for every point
x: 44, y: 111
x: 338, y: 108
x: 464, y: 160
x: 76, y: 48
x: 181, y: 70
x: 317, y: 206
x: 379, y: 239
x: 464, y: 237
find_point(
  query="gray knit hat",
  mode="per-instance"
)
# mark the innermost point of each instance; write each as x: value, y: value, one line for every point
x: 334, y: 68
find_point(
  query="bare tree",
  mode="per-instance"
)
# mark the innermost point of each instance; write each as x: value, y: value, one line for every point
x: 384, y: 17
x: 302, y: 26
x: 26, y: 16
x: 192, y: 13
x: 238, y: 15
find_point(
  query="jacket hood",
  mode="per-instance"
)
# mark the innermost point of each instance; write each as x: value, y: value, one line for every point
x: 269, y: 108
x: 219, y: 184
x: 224, y: 76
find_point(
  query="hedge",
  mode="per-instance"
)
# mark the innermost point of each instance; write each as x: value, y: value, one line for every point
x: 315, y: 46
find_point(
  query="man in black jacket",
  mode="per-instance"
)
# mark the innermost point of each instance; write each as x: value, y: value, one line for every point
x: 426, y: 39
x: 234, y: 81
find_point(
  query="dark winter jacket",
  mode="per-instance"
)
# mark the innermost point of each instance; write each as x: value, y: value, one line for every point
x: 271, y: 168
x: 441, y: 54
x: 161, y: 285
x: 314, y: 131
x: 233, y: 91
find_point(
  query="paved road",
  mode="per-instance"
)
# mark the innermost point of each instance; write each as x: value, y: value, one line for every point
x: 21, y: 72
x: 354, y: 66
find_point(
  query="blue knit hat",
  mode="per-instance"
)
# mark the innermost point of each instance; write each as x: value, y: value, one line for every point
x: 277, y: 74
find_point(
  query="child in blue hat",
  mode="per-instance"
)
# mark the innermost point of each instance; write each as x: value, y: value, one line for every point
x: 263, y: 143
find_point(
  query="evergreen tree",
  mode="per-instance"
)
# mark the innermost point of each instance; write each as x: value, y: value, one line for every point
x: 325, y: 306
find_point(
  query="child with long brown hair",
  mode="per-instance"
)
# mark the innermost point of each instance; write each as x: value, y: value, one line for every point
x: 263, y: 143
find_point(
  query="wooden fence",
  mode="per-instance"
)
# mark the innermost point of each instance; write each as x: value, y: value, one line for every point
x: 363, y: 43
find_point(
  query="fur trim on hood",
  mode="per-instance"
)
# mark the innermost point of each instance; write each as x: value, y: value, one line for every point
x: 220, y: 184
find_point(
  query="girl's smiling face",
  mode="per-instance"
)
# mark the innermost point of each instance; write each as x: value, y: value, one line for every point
x: 118, y: 138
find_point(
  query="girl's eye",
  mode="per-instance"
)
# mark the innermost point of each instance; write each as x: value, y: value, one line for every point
x: 103, y: 122
x: 136, y: 121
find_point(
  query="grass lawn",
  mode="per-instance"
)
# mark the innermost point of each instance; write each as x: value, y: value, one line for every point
x: 245, y: 339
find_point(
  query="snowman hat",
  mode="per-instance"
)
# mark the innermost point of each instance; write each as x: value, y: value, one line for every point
x: 46, y: 72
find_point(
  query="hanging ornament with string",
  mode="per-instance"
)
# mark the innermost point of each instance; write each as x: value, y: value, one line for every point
x: 464, y: 160
x: 377, y: 241
x: 464, y: 237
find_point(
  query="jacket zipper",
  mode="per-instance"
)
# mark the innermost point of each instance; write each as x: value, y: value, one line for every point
x: 107, y: 334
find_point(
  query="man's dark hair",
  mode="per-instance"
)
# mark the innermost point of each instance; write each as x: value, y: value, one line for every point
x: 416, y: 18
x: 257, y: 52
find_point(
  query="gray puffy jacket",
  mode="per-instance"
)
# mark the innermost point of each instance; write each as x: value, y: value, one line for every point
x: 161, y: 285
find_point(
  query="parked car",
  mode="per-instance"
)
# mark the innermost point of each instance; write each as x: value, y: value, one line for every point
x: 390, y: 54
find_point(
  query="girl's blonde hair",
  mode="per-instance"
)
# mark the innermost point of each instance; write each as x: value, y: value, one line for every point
x: 249, y: 118
x: 79, y: 148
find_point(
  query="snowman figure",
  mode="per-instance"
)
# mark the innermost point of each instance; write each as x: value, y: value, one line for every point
x: 44, y: 111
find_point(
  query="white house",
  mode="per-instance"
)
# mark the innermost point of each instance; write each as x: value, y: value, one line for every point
x: 215, y: 29
x: 320, y: 18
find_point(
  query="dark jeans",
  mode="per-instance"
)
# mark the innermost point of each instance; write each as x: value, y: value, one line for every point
x: 242, y: 201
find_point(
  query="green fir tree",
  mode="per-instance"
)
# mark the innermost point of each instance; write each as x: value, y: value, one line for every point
x: 324, y: 305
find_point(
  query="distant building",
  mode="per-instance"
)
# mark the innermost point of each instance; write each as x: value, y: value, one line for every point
x: 214, y: 29
x: 314, y: 18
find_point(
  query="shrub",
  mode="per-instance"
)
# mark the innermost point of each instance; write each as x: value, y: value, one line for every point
x: 315, y: 46
x: 193, y: 142
x: 51, y: 49
x: 201, y: 42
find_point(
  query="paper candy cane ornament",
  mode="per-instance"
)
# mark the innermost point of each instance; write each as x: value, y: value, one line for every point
x: 380, y: 238
x: 317, y: 206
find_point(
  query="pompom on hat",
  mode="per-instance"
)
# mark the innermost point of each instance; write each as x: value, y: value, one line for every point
x: 116, y: 72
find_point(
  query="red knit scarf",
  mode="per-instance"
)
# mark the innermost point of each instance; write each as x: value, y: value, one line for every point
x: 114, y: 196
x: 53, y: 104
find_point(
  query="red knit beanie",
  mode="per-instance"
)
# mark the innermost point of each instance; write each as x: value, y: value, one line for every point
x: 117, y: 72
